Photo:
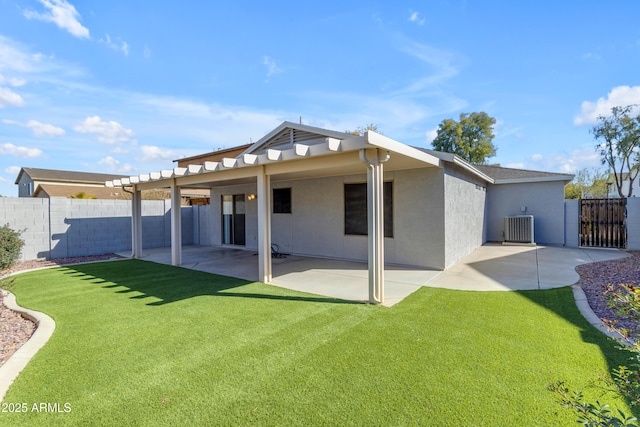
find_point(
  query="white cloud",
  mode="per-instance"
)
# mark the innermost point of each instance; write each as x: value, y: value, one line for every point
x: 22, y: 152
x: 39, y: 129
x: 577, y: 159
x: 12, y: 170
x: 119, y: 44
x: 13, y: 81
x: 114, y: 165
x: 272, y: 67
x: 146, y: 53
x: 61, y: 13
x: 415, y: 17
x: 431, y: 135
x: 518, y: 165
x: 442, y: 65
x: 591, y: 55
x: 151, y: 152
x: 619, y: 96
x: 108, y: 132
x: 9, y: 97
x: 44, y: 129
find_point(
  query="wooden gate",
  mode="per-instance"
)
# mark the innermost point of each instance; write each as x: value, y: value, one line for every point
x: 603, y: 223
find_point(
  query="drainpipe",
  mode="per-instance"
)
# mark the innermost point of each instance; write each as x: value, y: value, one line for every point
x: 375, y: 223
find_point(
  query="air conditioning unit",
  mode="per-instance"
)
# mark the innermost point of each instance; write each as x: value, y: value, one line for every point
x: 518, y: 229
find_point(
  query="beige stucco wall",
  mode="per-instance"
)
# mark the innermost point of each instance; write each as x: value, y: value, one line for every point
x: 316, y: 225
x: 543, y: 200
x: 465, y: 212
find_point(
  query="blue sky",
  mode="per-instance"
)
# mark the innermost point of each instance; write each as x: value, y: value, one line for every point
x: 126, y: 87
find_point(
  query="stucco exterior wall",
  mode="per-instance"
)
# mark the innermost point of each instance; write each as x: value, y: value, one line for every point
x: 316, y: 225
x: 465, y: 205
x: 544, y: 200
x: 633, y: 224
x: 572, y: 223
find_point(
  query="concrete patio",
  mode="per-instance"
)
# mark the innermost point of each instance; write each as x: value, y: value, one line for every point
x: 492, y: 267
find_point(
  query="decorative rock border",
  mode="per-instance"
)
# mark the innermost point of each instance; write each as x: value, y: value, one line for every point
x: 45, y: 326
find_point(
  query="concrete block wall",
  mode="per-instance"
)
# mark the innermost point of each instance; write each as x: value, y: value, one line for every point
x: 633, y: 224
x: 572, y: 223
x: 31, y: 217
x: 60, y: 227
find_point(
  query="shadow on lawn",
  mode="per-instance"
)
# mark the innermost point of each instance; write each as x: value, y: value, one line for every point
x: 169, y: 284
x: 561, y: 302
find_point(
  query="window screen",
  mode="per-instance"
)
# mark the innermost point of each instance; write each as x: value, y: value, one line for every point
x: 355, y: 209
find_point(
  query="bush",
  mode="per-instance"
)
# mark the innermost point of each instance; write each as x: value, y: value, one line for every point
x: 10, y: 246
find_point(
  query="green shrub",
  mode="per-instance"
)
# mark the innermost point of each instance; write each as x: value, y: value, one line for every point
x: 10, y: 246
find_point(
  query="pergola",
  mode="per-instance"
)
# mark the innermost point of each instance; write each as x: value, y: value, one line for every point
x: 291, y: 151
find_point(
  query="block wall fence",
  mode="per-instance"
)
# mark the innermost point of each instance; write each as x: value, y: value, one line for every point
x: 60, y: 228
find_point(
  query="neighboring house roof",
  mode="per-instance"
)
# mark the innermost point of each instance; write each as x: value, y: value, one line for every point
x: 65, y: 176
x: 53, y: 190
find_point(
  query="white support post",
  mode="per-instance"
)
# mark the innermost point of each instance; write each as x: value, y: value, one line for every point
x: 136, y: 223
x: 264, y: 226
x: 176, y: 226
x: 375, y: 223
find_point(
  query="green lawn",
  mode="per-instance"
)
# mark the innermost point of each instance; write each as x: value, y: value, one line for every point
x: 138, y: 343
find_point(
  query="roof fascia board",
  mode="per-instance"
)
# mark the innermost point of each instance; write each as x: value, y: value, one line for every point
x: 469, y: 167
x: 381, y: 141
x: 530, y: 180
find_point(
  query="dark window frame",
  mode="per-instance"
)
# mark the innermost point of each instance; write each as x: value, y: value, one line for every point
x: 281, y: 201
x: 355, y: 209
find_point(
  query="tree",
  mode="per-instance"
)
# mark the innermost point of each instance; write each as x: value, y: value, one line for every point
x: 587, y: 183
x: 360, y: 130
x: 83, y: 195
x: 471, y: 138
x: 619, y: 134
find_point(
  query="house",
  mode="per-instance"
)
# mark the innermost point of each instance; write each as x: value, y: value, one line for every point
x: 199, y: 196
x: 612, y: 188
x: 323, y: 193
x: 34, y: 182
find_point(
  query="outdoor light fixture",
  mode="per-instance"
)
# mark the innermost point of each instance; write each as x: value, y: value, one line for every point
x: 251, y: 197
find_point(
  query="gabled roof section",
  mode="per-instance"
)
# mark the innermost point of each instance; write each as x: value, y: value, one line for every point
x: 288, y: 133
x: 502, y: 175
x: 497, y: 174
x: 65, y: 176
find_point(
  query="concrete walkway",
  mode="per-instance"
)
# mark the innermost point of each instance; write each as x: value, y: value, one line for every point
x: 491, y: 267
x: 495, y: 267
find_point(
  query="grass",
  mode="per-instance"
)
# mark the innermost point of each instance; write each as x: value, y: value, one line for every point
x: 137, y: 343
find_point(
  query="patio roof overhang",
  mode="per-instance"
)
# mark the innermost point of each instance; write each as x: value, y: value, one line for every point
x: 289, y: 152
x: 323, y: 157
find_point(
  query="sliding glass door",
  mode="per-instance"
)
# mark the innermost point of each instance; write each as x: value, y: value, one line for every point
x: 233, y: 219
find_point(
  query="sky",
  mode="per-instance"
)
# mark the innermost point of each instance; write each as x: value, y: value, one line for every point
x: 126, y: 87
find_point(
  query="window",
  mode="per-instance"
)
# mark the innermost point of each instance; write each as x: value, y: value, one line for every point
x: 282, y: 200
x: 355, y: 209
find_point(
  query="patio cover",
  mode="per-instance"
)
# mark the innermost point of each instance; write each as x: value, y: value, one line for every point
x: 291, y: 151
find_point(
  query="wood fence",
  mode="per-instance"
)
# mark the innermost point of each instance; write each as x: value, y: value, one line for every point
x: 603, y: 223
